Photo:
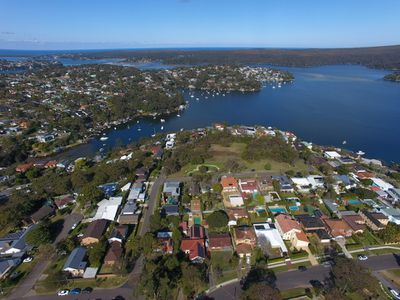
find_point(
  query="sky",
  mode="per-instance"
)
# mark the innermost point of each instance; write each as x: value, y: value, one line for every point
x: 106, y: 24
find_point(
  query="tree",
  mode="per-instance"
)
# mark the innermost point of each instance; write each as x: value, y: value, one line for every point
x: 217, y: 188
x: 90, y: 194
x: 40, y: 235
x: 217, y: 219
x: 390, y: 234
x: 97, y: 252
x: 261, y: 291
x: 147, y: 243
x: 350, y: 276
x: 267, y: 166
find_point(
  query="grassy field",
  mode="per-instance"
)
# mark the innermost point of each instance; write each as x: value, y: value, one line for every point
x: 293, y: 293
x: 221, y: 154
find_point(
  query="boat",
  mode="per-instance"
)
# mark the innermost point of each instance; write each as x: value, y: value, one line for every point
x: 104, y: 138
x: 139, y: 129
x: 162, y: 127
x: 197, y: 99
x: 178, y: 115
x: 191, y: 96
x: 344, y: 142
x: 162, y: 120
x: 154, y: 133
x: 137, y: 121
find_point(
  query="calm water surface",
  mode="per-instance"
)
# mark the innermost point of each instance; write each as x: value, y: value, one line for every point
x: 324, y: 105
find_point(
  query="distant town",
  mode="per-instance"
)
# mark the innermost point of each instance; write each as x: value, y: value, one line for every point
x: 202, y: 213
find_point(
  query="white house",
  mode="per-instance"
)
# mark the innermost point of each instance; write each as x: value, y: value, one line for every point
x: 332, y: 155
x: 107, y: 209
x: 269, y: 237
x: 383, y: 185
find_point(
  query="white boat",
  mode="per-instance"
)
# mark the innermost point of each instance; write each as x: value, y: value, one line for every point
x: 178, y: 115
x: 344, y: 142
x: 162, y: 127
x: 104, y: 138
x: 154, y: 133
x: 139, y: 129
x: 162, y: 120
x: 197, y: 99
x: 191, y: 96
x: 137, y: 121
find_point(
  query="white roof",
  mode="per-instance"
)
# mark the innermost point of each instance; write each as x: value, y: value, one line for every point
x: 126, y: 187
x: 107, y: 209
x: 383, y: 185
x: 267, y: 235
x: 300, y: 181
x: 90, y: 272
x: 332, y: 154
x: 236, y: 200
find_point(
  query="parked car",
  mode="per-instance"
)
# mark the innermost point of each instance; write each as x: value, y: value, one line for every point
x: 395, y: 293
x: 87, y: 290
x: 302, y: 268
x: 327, y: 264
x: 63, y: 293
x: 74, y: 226
x: 75, y: 291
x: 28, y: 259
x: 362, y: 257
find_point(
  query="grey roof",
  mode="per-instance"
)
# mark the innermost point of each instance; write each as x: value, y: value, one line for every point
x: 331, y: 206
x: 172, y: 187
x: 75, y: 259
x: 16, y: 239
x: 7, y: 263
x: 170, y: 209
x: 129, y: 208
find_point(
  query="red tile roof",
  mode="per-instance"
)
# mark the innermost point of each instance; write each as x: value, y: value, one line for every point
x: 286, y: 223
x: 218, y: 241
x: 229, y: 182
x: 195, y: 248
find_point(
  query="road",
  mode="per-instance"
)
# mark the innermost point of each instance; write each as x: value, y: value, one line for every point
x: 292, y: 279
x: 25, y: 290
x: 28, y: 283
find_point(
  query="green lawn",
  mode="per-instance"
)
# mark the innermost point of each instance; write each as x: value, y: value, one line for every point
x: 293, y: 293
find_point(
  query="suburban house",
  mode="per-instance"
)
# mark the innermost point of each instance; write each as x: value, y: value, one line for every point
x: 6, y: 265
x: 119, y: 234
x: 310, y: 223
x: 290, y: 230
x: 14, y: 243
x: 44, y: 212
x: 128, y: 214
x: 229, y: 184
x: 345, y: 181
x: 374, y: 220
x: 63, y: 201
x: 107, y: 208
x: 381, y: 184
x: 394, y: 195
x: 354, y: 220
x: 268, y: 238
x: 302, y: 184
x: 22, y: 168
x: 332, y: 155
x: 393, y: 214
x: 219, y: 242
x: 194, y: 249
x: 236, y: 214
x: 245, y: 240
x: 94, y: 232
x: 337, y: 227
x: 236, y: 200
x: 114, y: 254
x: 284, y: 183
x: 332, y: 206
x: 170, y: 210
x: 265, y: 184
x: 248, y: 186
x: 165, y: 241
x: 76, y: 264
x: 171, y: 192
x: 323, y: 236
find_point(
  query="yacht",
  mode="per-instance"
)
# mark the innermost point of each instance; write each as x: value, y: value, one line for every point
x: 162, y: 127
x: 104, y: 138
x: 162, y: 120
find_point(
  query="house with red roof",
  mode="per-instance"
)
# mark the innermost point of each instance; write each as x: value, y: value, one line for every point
x: 219, y: 242
x: 290, y: 230
x: 194, y: 249
x: 229, y: 184
x: 248, y: 186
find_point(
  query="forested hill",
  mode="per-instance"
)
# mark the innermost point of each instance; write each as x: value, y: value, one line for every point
x: 387, y: 57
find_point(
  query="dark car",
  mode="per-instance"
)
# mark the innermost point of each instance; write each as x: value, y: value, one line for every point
x: 302, y: 268
x: 87, y: 290
x: 118, y: 298
x: 75, y: 291
x: 316, y: 283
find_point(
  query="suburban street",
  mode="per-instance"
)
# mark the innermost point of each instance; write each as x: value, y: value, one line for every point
x: 292, y: 279
x: 26, y: 287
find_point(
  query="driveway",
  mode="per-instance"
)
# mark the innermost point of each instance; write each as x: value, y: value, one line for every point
x: 28, y: 283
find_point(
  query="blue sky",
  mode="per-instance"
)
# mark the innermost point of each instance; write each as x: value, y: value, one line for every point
x: 88, y: 24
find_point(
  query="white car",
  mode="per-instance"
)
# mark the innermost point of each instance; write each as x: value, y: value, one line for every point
x: 395, y: 294
x: 63, y: 293
x: 362, y: 257
x: 28, y: 259
x: 74, y: 226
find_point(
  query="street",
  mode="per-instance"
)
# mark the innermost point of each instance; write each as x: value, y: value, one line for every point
x: 292, y: 279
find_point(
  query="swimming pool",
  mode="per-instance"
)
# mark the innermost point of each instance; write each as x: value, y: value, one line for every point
x: 354, y: 202
x: 294, y: 207
x: 277, y: 210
